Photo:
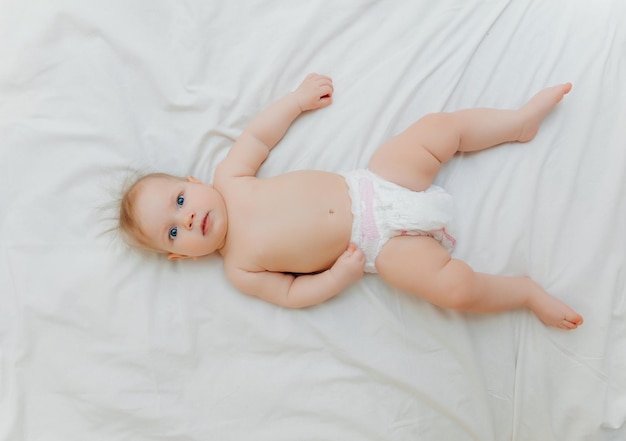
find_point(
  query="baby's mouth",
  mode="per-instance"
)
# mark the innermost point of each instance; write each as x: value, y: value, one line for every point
x: 205, y: 224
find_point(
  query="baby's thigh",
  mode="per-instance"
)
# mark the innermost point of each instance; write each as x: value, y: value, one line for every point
x: 413, y: 264
x: 405, y: 162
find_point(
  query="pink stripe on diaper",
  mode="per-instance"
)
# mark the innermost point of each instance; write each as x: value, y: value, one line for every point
x: 369, y: 230
x: 450, y: 238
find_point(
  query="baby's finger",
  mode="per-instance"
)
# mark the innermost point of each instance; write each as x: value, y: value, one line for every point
x: 321, y: 77
x: 360, y: 255
x: 325, y: 83
x: 326, y: 90
x: 324, y: 101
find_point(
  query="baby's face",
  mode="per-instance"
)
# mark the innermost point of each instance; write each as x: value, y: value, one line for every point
x: 184, y: 217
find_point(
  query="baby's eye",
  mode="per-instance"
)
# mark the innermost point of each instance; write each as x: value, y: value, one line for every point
x: 180, y: 200
x: 173, y: 232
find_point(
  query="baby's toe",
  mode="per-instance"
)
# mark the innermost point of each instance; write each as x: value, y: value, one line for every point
x: 567, y: 325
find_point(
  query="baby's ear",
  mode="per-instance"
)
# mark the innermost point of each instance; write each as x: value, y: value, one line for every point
x: 194, y: 180
x: 174, y: 256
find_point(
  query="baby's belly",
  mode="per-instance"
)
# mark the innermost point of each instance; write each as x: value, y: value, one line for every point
x: 306, y: 253
x: 307, y: 224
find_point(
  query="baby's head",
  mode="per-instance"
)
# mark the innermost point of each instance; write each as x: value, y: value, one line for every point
x: 169, y: 214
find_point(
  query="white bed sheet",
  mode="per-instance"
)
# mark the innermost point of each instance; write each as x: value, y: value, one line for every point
x: 99, y: 343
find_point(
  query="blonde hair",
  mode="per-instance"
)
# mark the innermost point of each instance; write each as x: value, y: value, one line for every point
x: 128, y: 224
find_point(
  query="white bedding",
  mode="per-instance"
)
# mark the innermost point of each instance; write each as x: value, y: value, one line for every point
x: 101, y: 343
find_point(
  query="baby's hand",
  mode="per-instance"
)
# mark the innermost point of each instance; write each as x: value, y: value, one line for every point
x: 315, y: 92
x: 349, y: 267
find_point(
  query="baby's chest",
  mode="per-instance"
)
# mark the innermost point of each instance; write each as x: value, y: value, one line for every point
x: 295, y: 226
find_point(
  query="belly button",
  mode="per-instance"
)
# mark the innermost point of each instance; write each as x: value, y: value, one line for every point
x: 331, y: 211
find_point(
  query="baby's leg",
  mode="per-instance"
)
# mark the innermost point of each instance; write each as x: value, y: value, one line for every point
x: 413, y: 158
x: 419, y: 265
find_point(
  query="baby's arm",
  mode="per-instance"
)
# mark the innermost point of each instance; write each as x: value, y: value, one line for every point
x: 252, y: 147
x: 301, y: 291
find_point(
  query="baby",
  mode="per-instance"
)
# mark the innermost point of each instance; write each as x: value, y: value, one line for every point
x: 300, y: 238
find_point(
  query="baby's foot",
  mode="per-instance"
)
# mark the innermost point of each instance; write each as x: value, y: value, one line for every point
x: 552, y: 311
x: 535, y: 110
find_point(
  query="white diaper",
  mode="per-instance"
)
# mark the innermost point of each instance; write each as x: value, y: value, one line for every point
x: 382, y: 210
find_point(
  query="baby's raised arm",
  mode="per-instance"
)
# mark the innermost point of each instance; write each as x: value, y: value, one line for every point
x: 253, y: 146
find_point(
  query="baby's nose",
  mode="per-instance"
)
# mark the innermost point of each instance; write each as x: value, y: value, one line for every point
x: 190, y: 218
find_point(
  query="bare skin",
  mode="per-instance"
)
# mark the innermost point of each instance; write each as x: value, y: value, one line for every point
x: 419, y: 264
x: 268, y: 230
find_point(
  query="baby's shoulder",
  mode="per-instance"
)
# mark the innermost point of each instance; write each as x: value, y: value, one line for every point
x: 237, y: 261
x: 232, y: 167
x: 226, y: 183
